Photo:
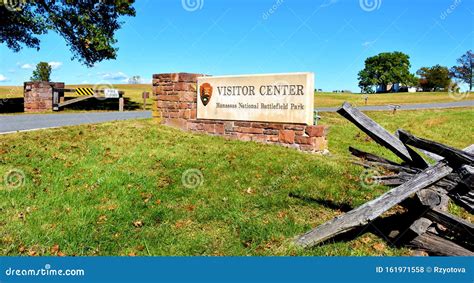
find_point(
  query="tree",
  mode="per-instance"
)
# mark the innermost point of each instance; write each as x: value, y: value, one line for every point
x: 434, y: 78
x: 135, y: 80
x: 87, y: 26
x: 464, y: 71
x: 384, y: 69
x: 42, y: 72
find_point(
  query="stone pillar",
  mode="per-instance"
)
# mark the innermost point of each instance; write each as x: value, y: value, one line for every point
x: 175, y: 104
x: 175, y: 98
x: 38, y: 96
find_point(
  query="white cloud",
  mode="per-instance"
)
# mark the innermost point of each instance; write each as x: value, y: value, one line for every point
x: 55, y: 65
x: 368, y: 43
x: 3, y: 78
x: 119, y: 76
x: 26, y: 66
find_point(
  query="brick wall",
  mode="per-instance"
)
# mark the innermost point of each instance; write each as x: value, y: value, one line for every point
x: 175, y: 104
x: 38, y: 96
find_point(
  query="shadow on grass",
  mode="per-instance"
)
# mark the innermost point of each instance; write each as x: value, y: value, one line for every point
x: 344, y: 207
x: 11, y: 105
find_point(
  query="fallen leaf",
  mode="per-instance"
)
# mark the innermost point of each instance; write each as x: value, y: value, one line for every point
x: 190, y: 207
x: 146, y: 197
x: 102, y: 219
x: 112, y: 207
x: 282, y: 214
x: 379, y: 247
x: 366, y: 240
x: 138, y: 224
x: 21, y: 249
x: 183, y: 223
x: 55, y: 249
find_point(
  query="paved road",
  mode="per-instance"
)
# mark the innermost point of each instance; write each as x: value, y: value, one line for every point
x: 464, y: 103
x: 27, y: 122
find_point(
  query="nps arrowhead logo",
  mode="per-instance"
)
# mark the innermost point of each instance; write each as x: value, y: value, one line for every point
x: 205, y: 91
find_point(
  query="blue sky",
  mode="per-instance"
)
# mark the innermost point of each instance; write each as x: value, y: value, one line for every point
x: 331, y: 38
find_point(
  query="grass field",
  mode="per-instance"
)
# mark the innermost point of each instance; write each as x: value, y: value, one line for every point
x: 336, y: 99
x: 135, y: 102
x: 117, y: 189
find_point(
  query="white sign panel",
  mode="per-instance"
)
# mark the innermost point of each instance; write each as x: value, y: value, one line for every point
x: 285, y: 98
x: 111, y: 93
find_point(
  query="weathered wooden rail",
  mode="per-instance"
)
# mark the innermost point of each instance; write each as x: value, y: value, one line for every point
x: 429, y: 187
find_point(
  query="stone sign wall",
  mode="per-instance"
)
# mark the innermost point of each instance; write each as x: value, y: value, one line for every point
x: 38, y: 96
x: 175, y: 104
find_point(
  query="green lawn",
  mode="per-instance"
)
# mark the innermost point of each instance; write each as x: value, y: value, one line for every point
x: 117, y: 189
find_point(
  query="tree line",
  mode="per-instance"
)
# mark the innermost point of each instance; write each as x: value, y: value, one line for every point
x: 391, y: 68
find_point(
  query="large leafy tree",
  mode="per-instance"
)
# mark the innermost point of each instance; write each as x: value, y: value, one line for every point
x: 464, y: 70
x: 384, y: 69
x: 434, y: 78
x: 42, y: 72
x: 87, y: 26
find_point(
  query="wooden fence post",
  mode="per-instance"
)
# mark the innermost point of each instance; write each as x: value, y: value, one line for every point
x: 121, y: 104
x: 145, y: 95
